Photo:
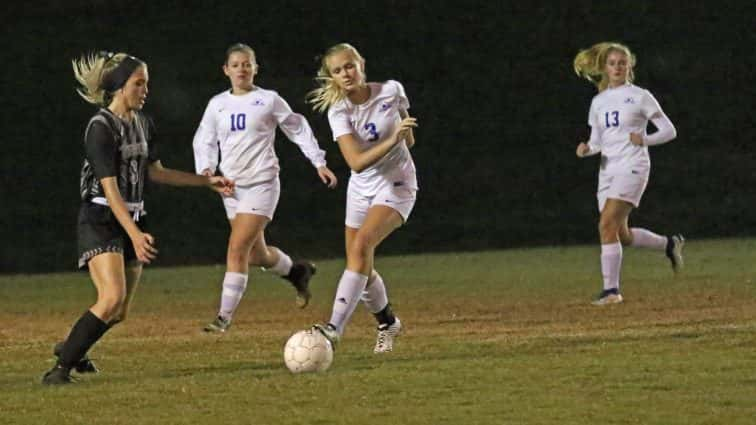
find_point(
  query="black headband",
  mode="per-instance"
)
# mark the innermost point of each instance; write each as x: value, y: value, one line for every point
x: 116, y: 78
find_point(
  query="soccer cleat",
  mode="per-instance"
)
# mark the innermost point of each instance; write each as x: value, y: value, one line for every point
x: 58, y: 375
x: 608, y: 296
x: 299, y: 276
x: 219, y: 325
x: 85, y: 365
x: 674, y: 250
x: 328, y: 331
x: 386, y: 334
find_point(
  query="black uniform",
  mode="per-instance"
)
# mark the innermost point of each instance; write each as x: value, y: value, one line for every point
x: 114, y: 148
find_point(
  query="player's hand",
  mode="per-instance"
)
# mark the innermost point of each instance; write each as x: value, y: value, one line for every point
x: 404, y: 127
x: 636, y: 139
x: 582, y: 150
x: 144, y: 247
x: 207, y: 173
x: 327, y: 177
x: 222, y: 185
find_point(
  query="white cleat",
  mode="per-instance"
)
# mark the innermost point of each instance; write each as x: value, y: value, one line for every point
x: 386, y: 334
x: 608, y: 297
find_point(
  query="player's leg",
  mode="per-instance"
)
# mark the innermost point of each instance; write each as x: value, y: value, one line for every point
x: 613, y: 216
x: 376, y: 300
x: 273, y: 259
x: 245, y: 229
x: 402, y: 200
x: 109, y: 277
x: 672, y: 246
x: 361, y: 243
x: 133, y: 275
x: 630, y: 187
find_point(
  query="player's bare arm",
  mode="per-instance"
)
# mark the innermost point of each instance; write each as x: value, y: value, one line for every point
x: 162, y: 175
x: 360, y: 160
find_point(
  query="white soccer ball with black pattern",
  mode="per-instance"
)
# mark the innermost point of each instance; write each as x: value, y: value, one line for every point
x: 308, y: 351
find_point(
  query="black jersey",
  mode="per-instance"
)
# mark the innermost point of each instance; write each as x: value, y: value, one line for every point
x: 115, y: 148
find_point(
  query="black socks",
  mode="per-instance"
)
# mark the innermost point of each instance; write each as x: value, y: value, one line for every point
x: 385, y: 316
x: 87, y: 330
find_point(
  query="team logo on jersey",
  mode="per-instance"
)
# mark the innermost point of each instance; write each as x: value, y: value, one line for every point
x: 630, y: 100
x: 385, y: 106
x: 258, y: 102
x: 133, y: 150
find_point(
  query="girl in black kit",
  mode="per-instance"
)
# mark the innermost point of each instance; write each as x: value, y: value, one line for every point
x: 120, y: 154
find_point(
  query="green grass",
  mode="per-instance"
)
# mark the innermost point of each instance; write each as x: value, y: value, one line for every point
x: 504, y: 337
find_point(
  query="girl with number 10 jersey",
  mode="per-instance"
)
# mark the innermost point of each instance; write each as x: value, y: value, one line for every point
x: 241, y: 123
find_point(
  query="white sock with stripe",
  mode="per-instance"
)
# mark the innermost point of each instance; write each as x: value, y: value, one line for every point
x: 282, y: 266
x: 234, y: 285
x: 374, y: 296
x: 348, y: 295
x: 643, y: 238
x: 611, y: 263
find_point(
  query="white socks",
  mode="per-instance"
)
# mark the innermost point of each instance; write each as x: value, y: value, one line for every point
x: 611, y: 262
x: 283, y: 266
x: 611, y: 254
x: 234, y: 285
x: 348, y: 295
x: 643, y: 238
x: 374, y: 295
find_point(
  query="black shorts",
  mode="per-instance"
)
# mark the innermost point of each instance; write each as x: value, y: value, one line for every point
x: 99, y: 232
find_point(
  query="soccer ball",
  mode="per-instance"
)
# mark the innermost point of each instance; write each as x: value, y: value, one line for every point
x: 308, y: 351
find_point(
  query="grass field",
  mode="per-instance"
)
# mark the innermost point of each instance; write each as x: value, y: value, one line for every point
x: 505, y: 337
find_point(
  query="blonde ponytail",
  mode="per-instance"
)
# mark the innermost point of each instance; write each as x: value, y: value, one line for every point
x: 590, y: 63
x: 90, y: 69
x: 329, y: 92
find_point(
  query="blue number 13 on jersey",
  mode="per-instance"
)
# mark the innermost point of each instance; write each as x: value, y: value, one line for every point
x: 614, y: 119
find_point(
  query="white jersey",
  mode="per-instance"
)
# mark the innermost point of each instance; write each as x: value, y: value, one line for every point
x: 615, y: 113
x: 244, y: 129
x: 370, y: 123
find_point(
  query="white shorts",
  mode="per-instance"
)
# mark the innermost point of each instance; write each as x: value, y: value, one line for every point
x: 626, y: 187
x: 397, y: 196
x: 259, y: 199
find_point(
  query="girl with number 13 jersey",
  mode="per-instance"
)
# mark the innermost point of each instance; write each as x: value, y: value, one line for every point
x: 618, y: 118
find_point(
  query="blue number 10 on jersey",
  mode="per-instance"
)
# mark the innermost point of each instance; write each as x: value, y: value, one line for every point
x: 238, y: 122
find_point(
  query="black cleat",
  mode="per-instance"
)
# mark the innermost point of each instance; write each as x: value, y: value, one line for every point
x: 674, y: 251
x: 85, y: 365
x: 58, y: 375
x: 300, y: 274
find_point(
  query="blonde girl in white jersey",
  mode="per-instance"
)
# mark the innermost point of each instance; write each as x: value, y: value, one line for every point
x: 618, y: 118
x: 374, y: 132
x: 239, y: 125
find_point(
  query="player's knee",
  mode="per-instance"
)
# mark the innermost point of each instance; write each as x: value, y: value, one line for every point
x: 259, y: 258
x: 607, y: 227
x: 238, y: 252
x: 361, y: 246
x: 112, y: 304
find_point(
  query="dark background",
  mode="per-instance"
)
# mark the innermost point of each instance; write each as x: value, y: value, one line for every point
x: 491, y: 83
